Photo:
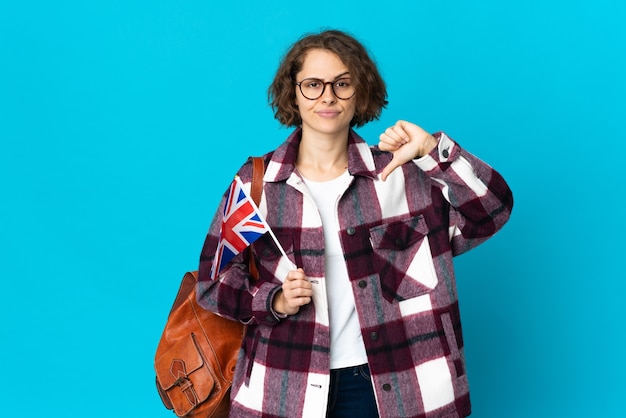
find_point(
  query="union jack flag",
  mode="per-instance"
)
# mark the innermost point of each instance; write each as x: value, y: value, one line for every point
x: 242, y: 224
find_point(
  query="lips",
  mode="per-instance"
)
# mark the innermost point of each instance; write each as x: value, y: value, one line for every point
x: 327, y: 113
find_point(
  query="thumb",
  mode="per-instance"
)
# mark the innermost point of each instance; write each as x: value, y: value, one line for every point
x: 393, y: 164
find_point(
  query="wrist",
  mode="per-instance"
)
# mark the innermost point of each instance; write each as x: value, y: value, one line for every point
x: 429, y: 144
x: 278, y: 304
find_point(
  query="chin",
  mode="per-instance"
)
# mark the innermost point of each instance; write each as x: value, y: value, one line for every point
x: 331, y: 128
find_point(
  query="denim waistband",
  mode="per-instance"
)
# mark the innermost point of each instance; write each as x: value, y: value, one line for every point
x: 353, y: 369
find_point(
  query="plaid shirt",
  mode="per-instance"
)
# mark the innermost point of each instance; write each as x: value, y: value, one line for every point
x: 398, y: 239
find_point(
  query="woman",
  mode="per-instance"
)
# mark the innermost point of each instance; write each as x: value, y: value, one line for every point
x: 366, y: 321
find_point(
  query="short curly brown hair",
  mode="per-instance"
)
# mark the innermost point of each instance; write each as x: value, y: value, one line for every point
x: 371, y: 93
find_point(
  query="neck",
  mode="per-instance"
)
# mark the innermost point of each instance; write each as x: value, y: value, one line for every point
x: 322, y: 157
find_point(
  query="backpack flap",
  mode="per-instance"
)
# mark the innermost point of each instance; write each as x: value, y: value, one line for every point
x: 183, y: 375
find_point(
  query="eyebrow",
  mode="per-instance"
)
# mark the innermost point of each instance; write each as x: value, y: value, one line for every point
x: 336, y: 77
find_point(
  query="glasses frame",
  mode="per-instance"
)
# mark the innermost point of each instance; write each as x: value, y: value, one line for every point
x: 324, y: 83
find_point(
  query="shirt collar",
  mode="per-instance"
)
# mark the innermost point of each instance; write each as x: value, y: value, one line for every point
x: 283, y: 161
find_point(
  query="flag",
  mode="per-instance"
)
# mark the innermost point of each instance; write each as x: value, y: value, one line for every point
x: 242, y: 224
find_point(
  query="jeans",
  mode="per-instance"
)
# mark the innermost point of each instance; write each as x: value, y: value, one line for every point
x: 351, y: 393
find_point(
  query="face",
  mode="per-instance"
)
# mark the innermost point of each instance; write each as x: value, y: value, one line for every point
x: 327, y: 114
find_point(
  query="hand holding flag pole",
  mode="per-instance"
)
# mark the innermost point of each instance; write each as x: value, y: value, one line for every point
x: 242, y: 224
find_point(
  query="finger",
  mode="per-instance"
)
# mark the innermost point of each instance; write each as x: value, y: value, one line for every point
x: 296, y: 275
x: 298, y: 287
x: 393, y: 164
x: 300, y: 293
x: 297, y: 300
x: 387, y: 143
x: 399, y: 129
x: 395, y: 135
x: 297, y: 303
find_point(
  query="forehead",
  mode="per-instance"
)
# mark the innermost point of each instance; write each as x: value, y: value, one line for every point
x: 323, y: 64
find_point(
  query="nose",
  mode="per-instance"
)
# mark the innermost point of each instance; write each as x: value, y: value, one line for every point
x: 328, y: 95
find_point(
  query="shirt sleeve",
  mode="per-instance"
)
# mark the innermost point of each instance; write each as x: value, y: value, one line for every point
x: 233, y: 294
x: 480, y: 199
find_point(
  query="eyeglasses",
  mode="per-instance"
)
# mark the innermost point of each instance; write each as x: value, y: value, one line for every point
x: 313, y: 88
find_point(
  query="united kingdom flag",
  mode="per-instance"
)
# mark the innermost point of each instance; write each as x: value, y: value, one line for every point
x: 242, y: 224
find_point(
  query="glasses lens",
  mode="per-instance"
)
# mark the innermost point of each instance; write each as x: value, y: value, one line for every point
x: 343, y: 88
x: 311, y: 88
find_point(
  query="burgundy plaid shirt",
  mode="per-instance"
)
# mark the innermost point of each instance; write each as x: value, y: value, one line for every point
x: 398, y: 239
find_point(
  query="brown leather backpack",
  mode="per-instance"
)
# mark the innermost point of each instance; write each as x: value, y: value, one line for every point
x: 197, y: 354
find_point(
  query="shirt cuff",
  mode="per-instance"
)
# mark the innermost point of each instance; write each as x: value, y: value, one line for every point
x: 262, y: 305
x: 445, y: 151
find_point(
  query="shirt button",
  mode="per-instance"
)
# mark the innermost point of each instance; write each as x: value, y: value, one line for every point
x: 270, y: 319
x: 445, y: 153
x: 362, y: 284
x: 374, y: 336
x: 386, y: 387
x: 351, y: 231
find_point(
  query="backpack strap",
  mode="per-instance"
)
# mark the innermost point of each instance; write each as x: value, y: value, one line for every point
x: 258, y: 171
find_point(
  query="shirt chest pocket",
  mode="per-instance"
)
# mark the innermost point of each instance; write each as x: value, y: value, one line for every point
x: 403, y: 258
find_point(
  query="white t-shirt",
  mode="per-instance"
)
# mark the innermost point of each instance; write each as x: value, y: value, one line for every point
x: 346, y: 343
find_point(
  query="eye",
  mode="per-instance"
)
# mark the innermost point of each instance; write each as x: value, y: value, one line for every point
x: 312, y: 84
x: 343, y: 83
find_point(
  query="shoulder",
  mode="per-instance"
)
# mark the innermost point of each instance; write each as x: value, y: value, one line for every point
x: 246, y: 170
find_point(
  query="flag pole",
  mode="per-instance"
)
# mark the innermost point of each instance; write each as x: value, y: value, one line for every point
x: 269, y: 229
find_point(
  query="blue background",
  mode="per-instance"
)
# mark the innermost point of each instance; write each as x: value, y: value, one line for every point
x: 122, y: 122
